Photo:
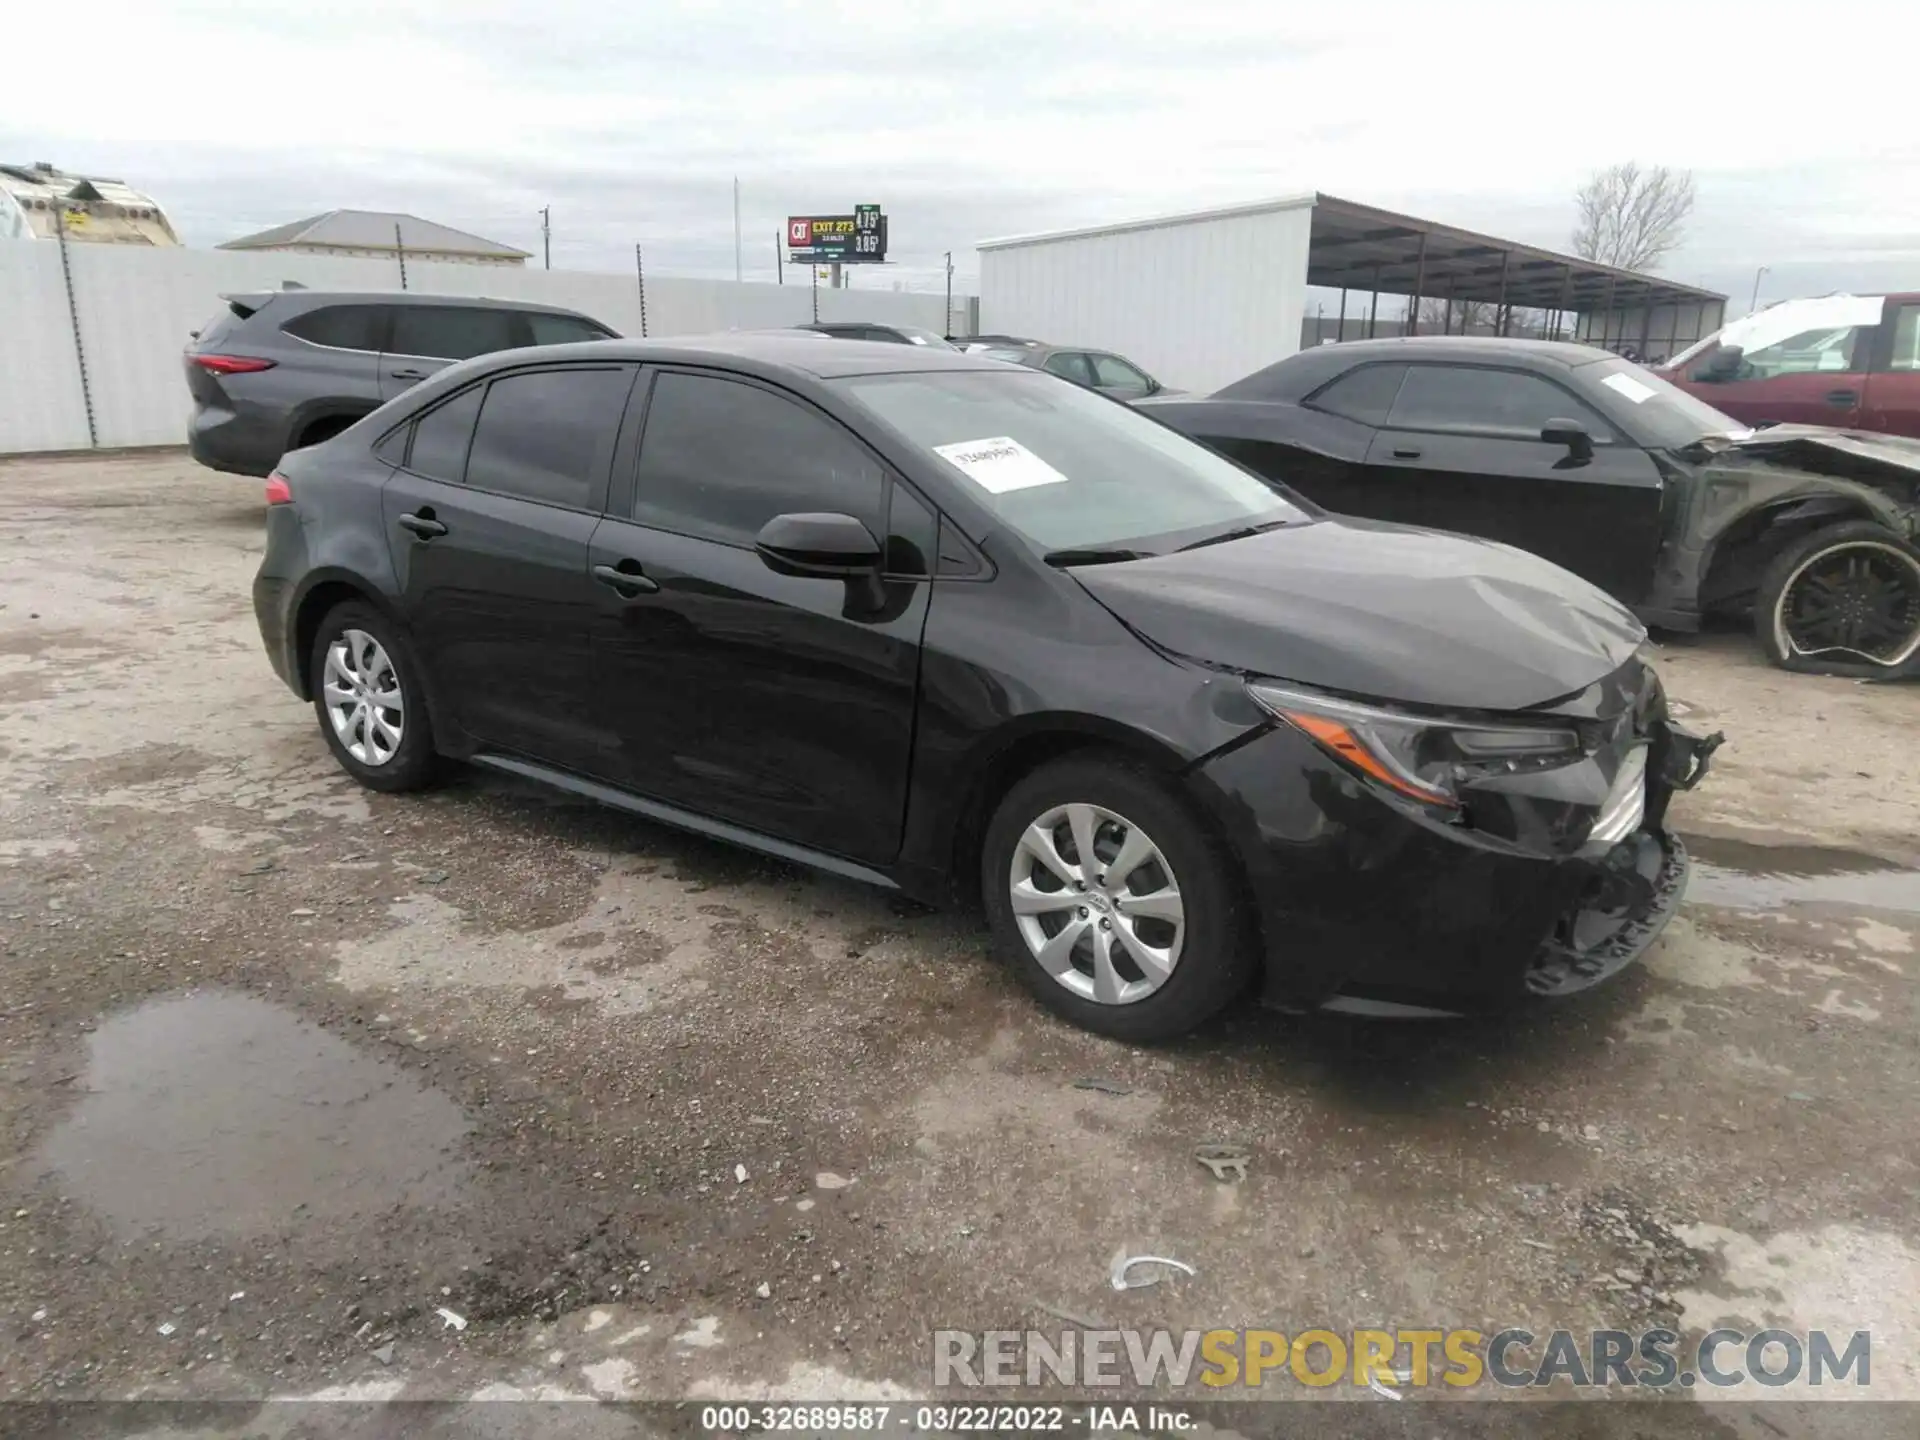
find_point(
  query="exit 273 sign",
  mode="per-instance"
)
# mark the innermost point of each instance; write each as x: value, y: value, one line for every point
x: 856, y: 239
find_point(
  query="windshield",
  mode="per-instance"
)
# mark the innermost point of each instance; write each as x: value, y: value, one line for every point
x: 1789, y: 318
x: 1658, y: 413
x: 1069, y: 469
x: 1000, y: 352
x: 917, y: 336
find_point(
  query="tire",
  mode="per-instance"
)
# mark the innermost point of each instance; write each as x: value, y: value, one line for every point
x: 370, y: 645
x: 1210, y: 946
x: 1893, y: 646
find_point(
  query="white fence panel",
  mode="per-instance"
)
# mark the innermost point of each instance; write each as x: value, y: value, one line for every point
x: 137, y: 309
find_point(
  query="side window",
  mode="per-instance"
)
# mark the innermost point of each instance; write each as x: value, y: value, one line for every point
x: 562, y: 329
x: 1110, y: 372
x: 720, y: 458
x: 1069, y: 365
x: 1906, y: 338
x: 1468, y: 397
x: 450, y: 332
x: 1827, y: 349
x: 1365, y: 394
x: 341, y: 327
x: 546, y: 434
x: 441, y: 436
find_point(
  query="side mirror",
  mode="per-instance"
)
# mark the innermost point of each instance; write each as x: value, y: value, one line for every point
x: 1570, y: 433
x: 832, y: 547
x: 1723, y: 366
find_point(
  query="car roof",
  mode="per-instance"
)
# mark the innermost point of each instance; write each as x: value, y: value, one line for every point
x: 306, y: 297
x: 787, y: 350
x: 1305, y: 371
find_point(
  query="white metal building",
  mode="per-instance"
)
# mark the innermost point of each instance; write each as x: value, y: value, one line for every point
x: 1204, y: 298
x: 40, y: 202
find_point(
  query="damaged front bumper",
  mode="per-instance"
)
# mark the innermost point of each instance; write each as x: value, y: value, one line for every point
x: 1368, y: 906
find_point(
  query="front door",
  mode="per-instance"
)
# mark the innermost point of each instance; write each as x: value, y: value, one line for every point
x: 488, y: 522
x: 1461, y: 450
x: 1817, y: 377
x: 781, y: 704
x: 427, y: 337
x: 1892, y: 402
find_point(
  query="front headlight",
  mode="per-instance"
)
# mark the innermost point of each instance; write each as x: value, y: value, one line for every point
x: 1420, y: 756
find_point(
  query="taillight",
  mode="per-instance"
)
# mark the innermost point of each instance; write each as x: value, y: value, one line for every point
x: 278, y: 491
x: 231, y: 364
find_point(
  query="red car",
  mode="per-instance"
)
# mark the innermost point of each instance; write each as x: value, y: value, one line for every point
x: 1851, y: 361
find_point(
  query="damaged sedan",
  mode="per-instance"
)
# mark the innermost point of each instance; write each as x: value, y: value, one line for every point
x: 1604, y: 468
x: 954, y: 628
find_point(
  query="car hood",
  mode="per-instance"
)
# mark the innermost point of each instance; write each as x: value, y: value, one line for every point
x: 1371, y: 609
x: 1849, y: 454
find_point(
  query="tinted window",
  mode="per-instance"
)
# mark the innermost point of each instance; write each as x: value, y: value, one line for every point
x: 1110, y: 372
x: 344, y: 327
x: 1365, y: 394
x: 450, y: 332
x: 913, y: 533
x: 563, y: 329
x: 1464, y: 397
x: 440, y: 437
x: 719, y: 459
x: 545, y: 435
x: 1069, y: 365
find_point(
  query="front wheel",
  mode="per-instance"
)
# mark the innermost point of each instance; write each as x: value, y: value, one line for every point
x: 1114, y: 901
x: 1842, y: 601
x: 367, y: 693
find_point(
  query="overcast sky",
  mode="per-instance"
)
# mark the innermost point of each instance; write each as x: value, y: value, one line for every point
x: 981, y: 118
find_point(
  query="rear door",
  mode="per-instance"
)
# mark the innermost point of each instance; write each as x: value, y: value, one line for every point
x: 488, y: 520
x: 1892, y: 400
x: 338, y: 347
x: 1816, y: 377
x: 1461, y: 450
x: 428, y: 337
x: 783, y: 704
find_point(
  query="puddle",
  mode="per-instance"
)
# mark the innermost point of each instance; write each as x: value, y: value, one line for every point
x: 219, y: 1114
x: 1743, y: 876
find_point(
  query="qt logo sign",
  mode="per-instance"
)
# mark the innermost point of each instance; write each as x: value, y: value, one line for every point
x: 800, y: 232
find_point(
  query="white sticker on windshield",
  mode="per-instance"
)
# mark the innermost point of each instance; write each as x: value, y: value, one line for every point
x: 1631, y: 388
x: 999, y: 464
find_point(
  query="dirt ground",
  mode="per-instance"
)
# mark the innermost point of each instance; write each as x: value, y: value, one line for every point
x: 288, y: 1068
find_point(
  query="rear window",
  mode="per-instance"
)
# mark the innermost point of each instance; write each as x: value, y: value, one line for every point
x: 545, y: 434
x: 563, y: 329
x: 1365, y: 394
x: 339, y: 327
x: 451, y: 332
x: 442, y: 435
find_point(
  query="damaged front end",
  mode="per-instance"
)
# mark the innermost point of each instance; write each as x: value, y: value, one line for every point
x: 1537, y: 841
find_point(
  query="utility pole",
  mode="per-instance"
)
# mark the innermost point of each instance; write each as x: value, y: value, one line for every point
x: 813, y: 269
x: 640, y: 274
x: 546, y: 235
x: 779, y: 262
x: 736, y: 229
x: 400, y: 249
x: 949, y: 326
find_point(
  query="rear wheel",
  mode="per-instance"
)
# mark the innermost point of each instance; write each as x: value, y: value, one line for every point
x: 1842, y: 601
x: 324, y: 428
x: 367, y: 693
x: 1113, y: 900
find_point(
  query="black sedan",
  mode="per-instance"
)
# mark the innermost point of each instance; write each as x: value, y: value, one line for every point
x: 945, y: 626
x: 1602, y: 467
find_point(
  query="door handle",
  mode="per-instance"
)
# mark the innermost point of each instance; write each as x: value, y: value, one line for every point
x: 1842, y: 397
x: 628, y: 584
x: 1401, y: 452
x: 423, y: 525
x: 408, y: 374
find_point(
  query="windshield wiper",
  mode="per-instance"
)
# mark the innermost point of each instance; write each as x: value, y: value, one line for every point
x: 1242, y: 533
x: 1093, y: 555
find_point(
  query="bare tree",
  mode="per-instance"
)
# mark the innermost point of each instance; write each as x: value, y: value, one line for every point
x: 1631, y: 217
x: 1466, y: 317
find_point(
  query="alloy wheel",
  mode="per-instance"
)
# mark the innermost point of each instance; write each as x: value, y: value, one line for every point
x: 1097, y: 904
x: 1860, y: 598
x: 363, y: 699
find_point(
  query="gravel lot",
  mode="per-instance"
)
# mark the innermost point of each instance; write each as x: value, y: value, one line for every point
x: 287, y: 1067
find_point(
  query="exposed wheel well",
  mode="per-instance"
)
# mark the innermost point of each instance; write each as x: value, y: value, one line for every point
x: 323, y: 427
x: 313, y: 609
x: 1741, y: 555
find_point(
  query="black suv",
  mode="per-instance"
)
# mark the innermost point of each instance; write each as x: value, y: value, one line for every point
x: 934, y: 622
x: 279, y: 369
